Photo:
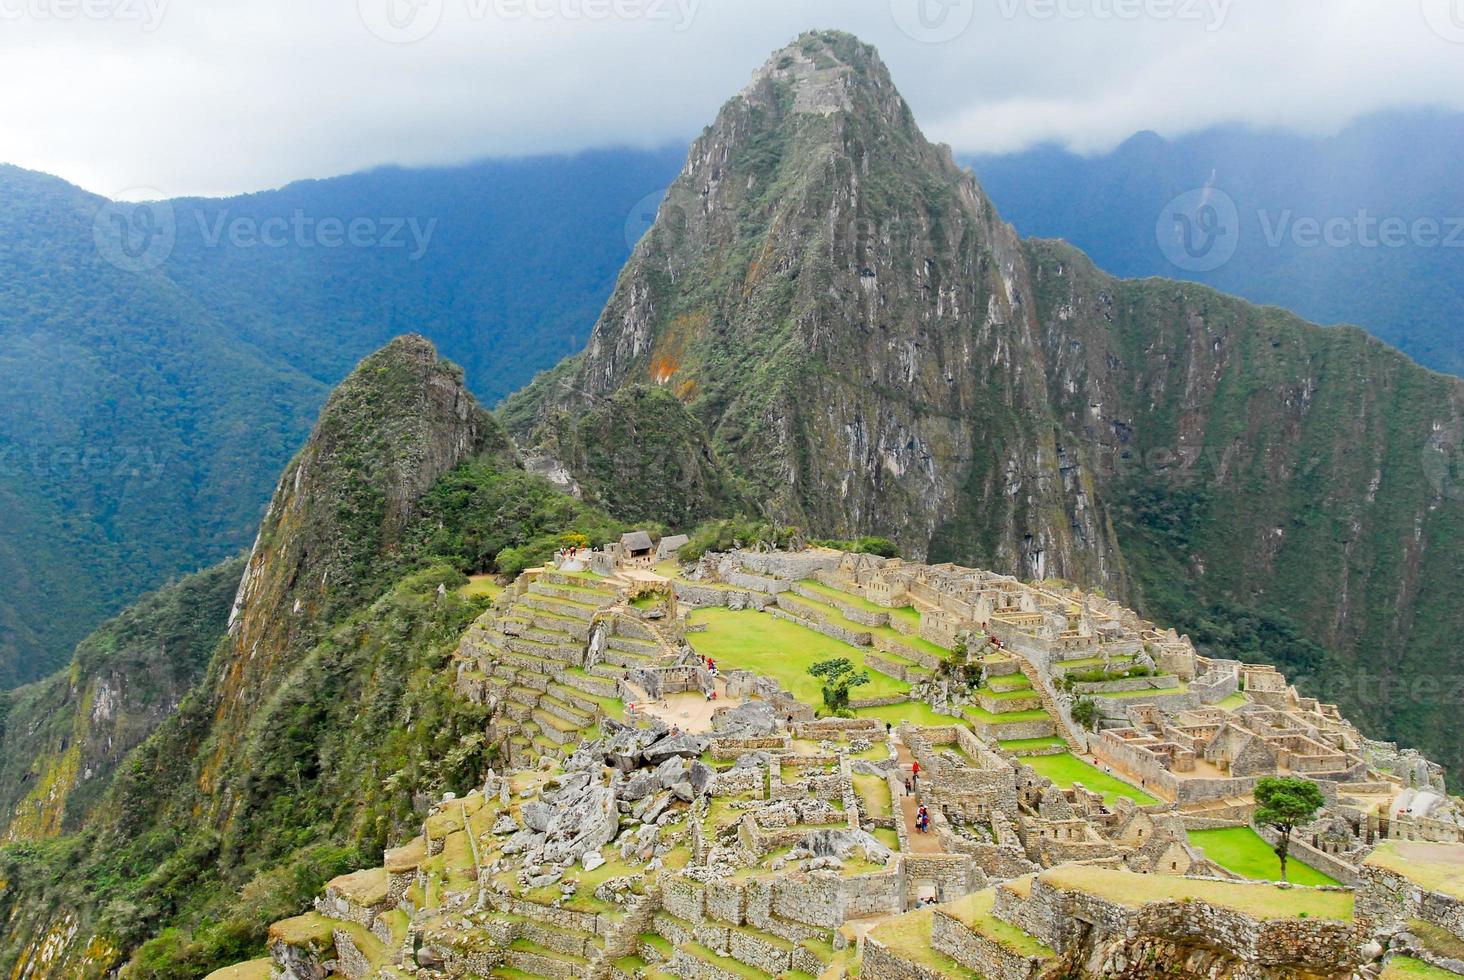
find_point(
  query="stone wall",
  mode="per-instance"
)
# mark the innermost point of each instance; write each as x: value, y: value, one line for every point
x: 985, y: 957
x: 1386, y: 898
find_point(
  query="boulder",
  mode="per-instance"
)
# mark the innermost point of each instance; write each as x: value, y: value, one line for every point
x: 686, y: 746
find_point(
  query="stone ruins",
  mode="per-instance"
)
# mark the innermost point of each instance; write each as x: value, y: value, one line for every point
x: 1022, y: 788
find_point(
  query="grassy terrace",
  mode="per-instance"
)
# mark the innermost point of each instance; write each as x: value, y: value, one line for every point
x: 1066, y: 769
x: 1021, y: 746
x: 1234, y: 701
x: 1257, y: 900
x: 1435, y: 867
x: 974, y: 911
x: 908, y: 936
x: 915, y: 712
x: 979, y: 714
x: 1407, y: 968
x: 888, y: 632
x: 481, y: 585
x: 875, y: 792
x: 781, y: 650
x: 1242, y: 850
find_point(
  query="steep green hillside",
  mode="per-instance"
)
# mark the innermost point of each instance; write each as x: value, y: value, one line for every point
x: 62, y: 738
x: 1270, y: 477
x: 325, y: 719
x: 131, y: 426
x: 145, y: 416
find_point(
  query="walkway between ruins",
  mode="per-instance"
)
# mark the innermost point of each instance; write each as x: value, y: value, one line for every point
x: 909, y: 806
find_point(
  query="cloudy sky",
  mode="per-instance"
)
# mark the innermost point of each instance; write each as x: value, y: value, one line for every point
x: 125, y: 97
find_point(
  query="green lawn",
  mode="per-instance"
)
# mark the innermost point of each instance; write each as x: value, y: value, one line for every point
x: 1404, y: 967
x: 1066, y: 769
x: 915, y: 712
x: 1257, y: 900
x: 483, y: 585
x: 1234, y: 701
x: 784, y: 651
x: 977, y: 713
x: 875, y: 792
x: 1017, y: 746
x: 1242, y: 850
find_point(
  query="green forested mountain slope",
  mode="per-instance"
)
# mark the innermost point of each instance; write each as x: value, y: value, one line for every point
x: 62, y: 738
x: 326, y: 717
x: 145, y: 415
x: 873, y: 350
x: 131, y: 426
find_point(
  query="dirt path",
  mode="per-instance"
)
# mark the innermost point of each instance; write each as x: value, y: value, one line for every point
x: 909, y: 806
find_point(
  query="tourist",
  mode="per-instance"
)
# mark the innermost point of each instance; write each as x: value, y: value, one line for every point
x: 909, y: 787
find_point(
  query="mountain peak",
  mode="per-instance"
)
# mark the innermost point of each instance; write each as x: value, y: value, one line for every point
x: 824, y: 72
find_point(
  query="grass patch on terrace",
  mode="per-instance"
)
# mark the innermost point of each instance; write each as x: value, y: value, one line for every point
x: 1066, y: 769
x: 847, y: 598
x: 908, y: 614
x: 915, y: 712
x: 974, y: 911
x: 979, y: 714
x: 253, y: 970
x: 888, y: 837
x: 784, y: 651
x: 1242, y: 850
x: 908, y: 937
x: 1019, y: 746
x: 1436, y: 940
x: 875, y: 792
x: 1260, y: 901
x: 481, y: 585
x: 1234, y: 701
x: 1436, y: 867
x: 1407, y: 968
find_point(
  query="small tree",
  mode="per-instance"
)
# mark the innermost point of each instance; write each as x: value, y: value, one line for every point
x: 1285, y: 804
x: 1085, y: 712
x: 839, y: 677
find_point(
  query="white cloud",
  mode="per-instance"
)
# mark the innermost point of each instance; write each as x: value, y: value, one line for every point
x: 221, y: 96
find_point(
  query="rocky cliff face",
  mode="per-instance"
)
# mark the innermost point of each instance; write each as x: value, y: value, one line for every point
x: 61, y: 739
x: 391, y: 429
x: 852, y: 323
x: 873, y: 350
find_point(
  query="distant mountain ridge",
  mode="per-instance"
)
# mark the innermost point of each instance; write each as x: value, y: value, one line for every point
x: 144, y: 415
x: 1382, y: 192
